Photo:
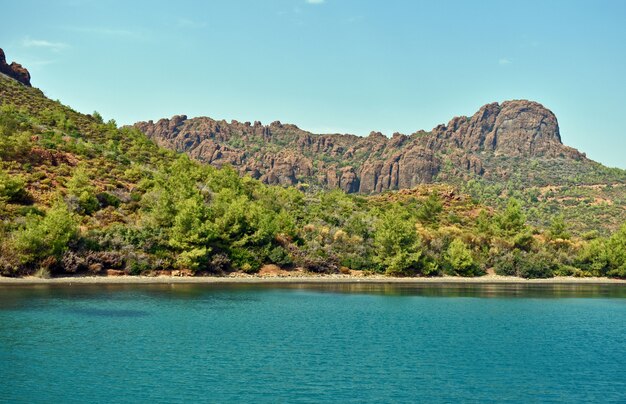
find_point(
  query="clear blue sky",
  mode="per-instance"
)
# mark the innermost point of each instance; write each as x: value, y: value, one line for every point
x: 331, y: 66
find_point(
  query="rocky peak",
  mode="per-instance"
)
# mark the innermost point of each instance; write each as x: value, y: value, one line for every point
x: 14, y: 70
x: 514, y: 128
x: 284, y: 154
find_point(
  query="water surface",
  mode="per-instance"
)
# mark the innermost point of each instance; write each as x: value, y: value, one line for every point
x: 311, y: 343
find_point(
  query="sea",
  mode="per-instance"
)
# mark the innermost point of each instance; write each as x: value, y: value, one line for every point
x: 309, y: 343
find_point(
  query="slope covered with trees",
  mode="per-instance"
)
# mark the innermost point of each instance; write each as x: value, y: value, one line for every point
x: 513, y: 149
x: 79, y: 195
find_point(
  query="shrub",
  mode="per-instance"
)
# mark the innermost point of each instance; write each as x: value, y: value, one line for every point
x: 605, y: 257
x: 43, y: 273
x: 193, y: 259
x: 9, y: 258
x: 279, y: 256
x: 537, y: 265
x: 506, y: 264
x: 136, y: 264
x: 459, y: 260
x: 526, y: 264
x: 593, y: 258
x: 219, y: 263
x: 81, y: 194
x: 12, y: 188
x: 363, y: 261
x: 247, y: 260
x: 523, y: 241
x: 48, y: 236
x: 106, y: 199
x: 73, y: 262
x: 430, y: 209
x: 314, y: 257
x: 106, y: 259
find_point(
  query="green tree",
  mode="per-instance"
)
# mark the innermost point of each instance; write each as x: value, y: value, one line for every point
x: 605, y: 257
x: 558, y: 228
x: 484, y: 223
x: 97, y: 117
x: 593, y: 258
x: 12, y: 188
x: 459, y: 259
x: 190, y: 227
x: 397, y: 244
x: 14, y: 141
x: 512, y: 221
x: 430, y: 209
x: 49, y: 236
x: 616, y: 253
x: 81, y: 194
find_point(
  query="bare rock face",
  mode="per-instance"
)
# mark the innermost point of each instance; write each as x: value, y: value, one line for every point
x: 14, y: 70
x: 514, y: 128
x: 524, y: 128
x: 285, y: 154
x: 349, y: 180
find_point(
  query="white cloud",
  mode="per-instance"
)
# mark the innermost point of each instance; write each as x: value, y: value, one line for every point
x: 40, y: 43
x: 104, y: 31
x: 504, y: 61
x: 187, y: 23
x: 315, y: 1
x: 354, y: 18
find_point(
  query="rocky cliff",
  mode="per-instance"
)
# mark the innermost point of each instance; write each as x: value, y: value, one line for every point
x: 14, y: 70
x: 285, y: 154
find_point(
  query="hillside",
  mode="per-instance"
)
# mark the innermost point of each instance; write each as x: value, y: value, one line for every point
x: 513, y: 149
x: 80, y: 195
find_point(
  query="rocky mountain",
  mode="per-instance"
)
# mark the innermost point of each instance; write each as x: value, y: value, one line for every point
x: 14, y: 70
x: 284, y: 154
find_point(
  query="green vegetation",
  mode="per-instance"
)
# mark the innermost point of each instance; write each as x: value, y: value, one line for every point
x: 80, y: 195
x: 588, y: 196
x: 605, y: 257
x: 44, y: 239
x: 397, y: 244
x: 459, y: 260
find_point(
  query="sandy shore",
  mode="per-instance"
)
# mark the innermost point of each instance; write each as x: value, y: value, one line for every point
x: 252, y: 279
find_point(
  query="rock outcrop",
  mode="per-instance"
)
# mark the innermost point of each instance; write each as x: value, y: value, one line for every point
x: 285, y: 154
x: 14, y: 70
x: 515, y: 128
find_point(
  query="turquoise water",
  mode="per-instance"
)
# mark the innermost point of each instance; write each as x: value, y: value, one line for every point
x: 298, y: 343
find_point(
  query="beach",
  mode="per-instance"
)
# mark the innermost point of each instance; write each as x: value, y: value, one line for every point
x: 239, y: 278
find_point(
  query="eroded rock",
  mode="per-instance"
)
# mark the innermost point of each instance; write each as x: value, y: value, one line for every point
x: 14, y: 70
x: 287, y: 155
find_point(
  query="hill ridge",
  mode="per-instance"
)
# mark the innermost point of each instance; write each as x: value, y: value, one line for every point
x: 285, y: 154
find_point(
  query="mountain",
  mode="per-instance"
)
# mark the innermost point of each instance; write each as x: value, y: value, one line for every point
x: 80, y: 195
x: 481, y: 146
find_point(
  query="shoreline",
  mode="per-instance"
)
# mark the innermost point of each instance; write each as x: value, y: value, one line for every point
x: 310, y: 279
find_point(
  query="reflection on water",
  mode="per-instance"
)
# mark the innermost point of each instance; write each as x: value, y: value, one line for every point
x: 96, y: 312
x: 215, y: 293
x: 472, y: 290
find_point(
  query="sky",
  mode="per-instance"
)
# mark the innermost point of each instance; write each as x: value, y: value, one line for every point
x: 346, y: 66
